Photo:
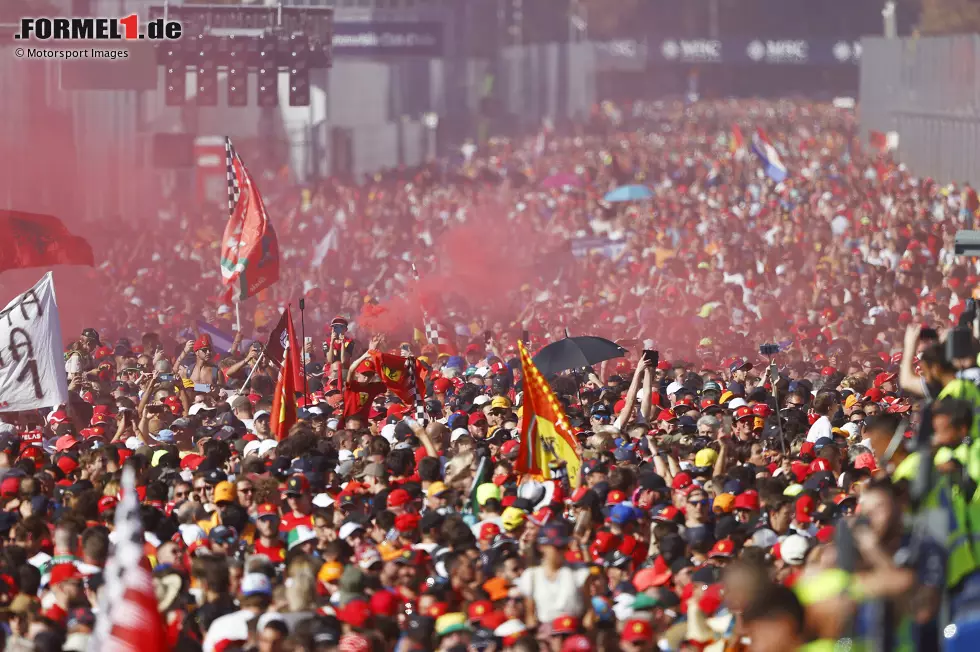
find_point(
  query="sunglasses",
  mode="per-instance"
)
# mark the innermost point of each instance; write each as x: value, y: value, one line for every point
x: 245, y: 490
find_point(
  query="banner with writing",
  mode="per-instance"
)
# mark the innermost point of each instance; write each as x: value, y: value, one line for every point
x: 32, y: 364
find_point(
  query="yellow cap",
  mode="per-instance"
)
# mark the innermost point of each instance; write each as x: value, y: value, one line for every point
x: 512, y: 518
x: 437, y: 488
x: 501, y: 402
x: 225, y: 492
x: 486, y: 491
x: 724, y: 503
x: 330, y: 571
x: 793, y: 490
x: 705, y: 457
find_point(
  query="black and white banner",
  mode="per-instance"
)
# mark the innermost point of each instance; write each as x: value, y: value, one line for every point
x: 32, y: 364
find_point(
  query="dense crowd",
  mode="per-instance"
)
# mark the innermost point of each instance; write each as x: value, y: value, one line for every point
x: 727, y: 500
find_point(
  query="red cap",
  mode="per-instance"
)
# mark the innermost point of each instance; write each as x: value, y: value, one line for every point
x: 747, y: 500
x: 681, y: 481
x: 67, y: 464
x: 398, y: 498
x: 826, y: 533
x: 667, y: 514
x: 267, y: 509
x: 356, y: 613
x: 65, y: 442
x: 828, y: 371
x: 406, y: 523
x: 203, y: 342
x: 804, y: 507
x: 883, y: 378
x: 874, y: 394
x: 818, y: 465
x: 657, y: 575
x: 744, y: 412
x: 477, y: 417
x: 488, y: 531
x: 509, y: 446
x: 106, y: 503
x: 667, y: 415
x: 473, y: 348
x: 191, y: 461
x: 63, y: 573
x: 807, y: 448
x: 564, y: 625
x: 761, y: 410
x: 9, y: 487
x: 385, y: 603
x: 636, y: 630
x: 478, y: 609
x: 724, y: 548
x: 615, y: 497
x: 441, y: 385
x: 577, y: 643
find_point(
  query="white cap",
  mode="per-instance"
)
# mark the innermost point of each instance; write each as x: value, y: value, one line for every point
x: 674, y: 387
x: 793, y: 549
x: 199, y: 407
x: 260, y: 413
x: 482, y: 399
x: 190, y: 533
x: 251, y: 447
x: 322, y: 500
x: 764, y: 538
x: 482, y: 372
x: 314, y: 410
x: 388, y: 432
x: 348, y: 529
x: 300, y: 535
x: 736, y: 403
x: 267, y: 445
x: 457, y: 433
x: 510, y: 628
x: 256, y: 584
x: 343, y: 455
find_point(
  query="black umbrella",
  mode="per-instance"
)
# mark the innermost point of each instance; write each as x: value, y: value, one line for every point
x: 576, y: 352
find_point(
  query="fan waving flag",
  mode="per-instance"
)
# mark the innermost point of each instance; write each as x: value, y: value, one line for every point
x: 35, y: 240
x: 546, y: 436
x: 282, y: 341
x: 249, y: 248
x: 129, y: 618
x: 284, y: 408
x: 772, y: 164
x: 736, y: 143
x: 402, y: 376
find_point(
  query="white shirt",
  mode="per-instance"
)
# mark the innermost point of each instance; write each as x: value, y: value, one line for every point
x: 820, y: 428
x: 553, y: 598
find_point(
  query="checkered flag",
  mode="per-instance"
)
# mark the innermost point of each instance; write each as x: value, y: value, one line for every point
x: 413, y: 391
x: 128, y: 618
x: 434, y: 333
x: 234, y: 191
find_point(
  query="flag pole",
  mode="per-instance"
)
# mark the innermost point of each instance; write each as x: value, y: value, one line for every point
x: 302, y: 327
x: 238, y: 318
x: 252, y: 371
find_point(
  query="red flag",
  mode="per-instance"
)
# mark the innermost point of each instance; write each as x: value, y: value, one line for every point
x: 129, y: 618
x: 284, y: 401
x: 249, y: 248
x: 878, y: 140
x: 394, y: 373
x: 35, y: 240
x: 546, y: 436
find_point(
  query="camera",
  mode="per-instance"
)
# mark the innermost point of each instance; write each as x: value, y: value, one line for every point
x: 768, y: 350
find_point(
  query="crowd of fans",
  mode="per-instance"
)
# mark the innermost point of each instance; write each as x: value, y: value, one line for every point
x: 714, y: 487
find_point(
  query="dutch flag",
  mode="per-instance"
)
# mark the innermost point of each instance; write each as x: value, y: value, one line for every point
x: 773, y: 165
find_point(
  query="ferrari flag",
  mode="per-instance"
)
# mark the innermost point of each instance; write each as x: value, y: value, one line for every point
x: 249, y: 248
x: 546, y: 436
x: 284, y: 407
x: 396, y: 374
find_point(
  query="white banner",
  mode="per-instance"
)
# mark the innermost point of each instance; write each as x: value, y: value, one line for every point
x: 32, y: 364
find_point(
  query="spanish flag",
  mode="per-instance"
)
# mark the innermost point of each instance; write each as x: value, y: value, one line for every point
x: 546, y: 436
x: 283, y: 415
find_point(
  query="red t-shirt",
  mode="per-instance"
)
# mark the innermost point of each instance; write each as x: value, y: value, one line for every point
x: 358, y: 398
x: 276, y: 552
x: 290, y: 520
